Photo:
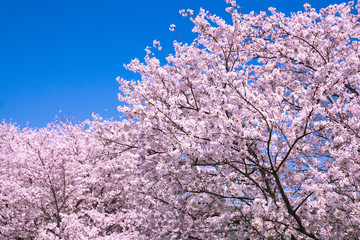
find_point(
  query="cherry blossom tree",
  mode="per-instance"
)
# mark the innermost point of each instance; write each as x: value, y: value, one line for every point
x: 251, y: 131
x: 60, y: 182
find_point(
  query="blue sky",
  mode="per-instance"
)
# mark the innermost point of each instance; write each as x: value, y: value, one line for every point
x: 65, y: 55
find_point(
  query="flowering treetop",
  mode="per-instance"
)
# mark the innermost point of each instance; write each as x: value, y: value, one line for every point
x: 260, y: 118
x: 249, y: 132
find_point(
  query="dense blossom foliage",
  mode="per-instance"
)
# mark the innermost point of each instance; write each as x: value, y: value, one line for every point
x: 251, y: 131
x: 60, y: 182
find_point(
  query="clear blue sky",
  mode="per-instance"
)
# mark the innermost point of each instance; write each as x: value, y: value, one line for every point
x: 65, y: 55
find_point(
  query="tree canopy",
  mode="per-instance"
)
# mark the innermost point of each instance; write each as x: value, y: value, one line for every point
x: 249, y: 132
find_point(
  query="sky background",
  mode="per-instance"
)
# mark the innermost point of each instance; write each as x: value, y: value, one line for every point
x: 65, y: 55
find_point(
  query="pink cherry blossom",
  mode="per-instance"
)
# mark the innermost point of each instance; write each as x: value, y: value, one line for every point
x: 251, y: 131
